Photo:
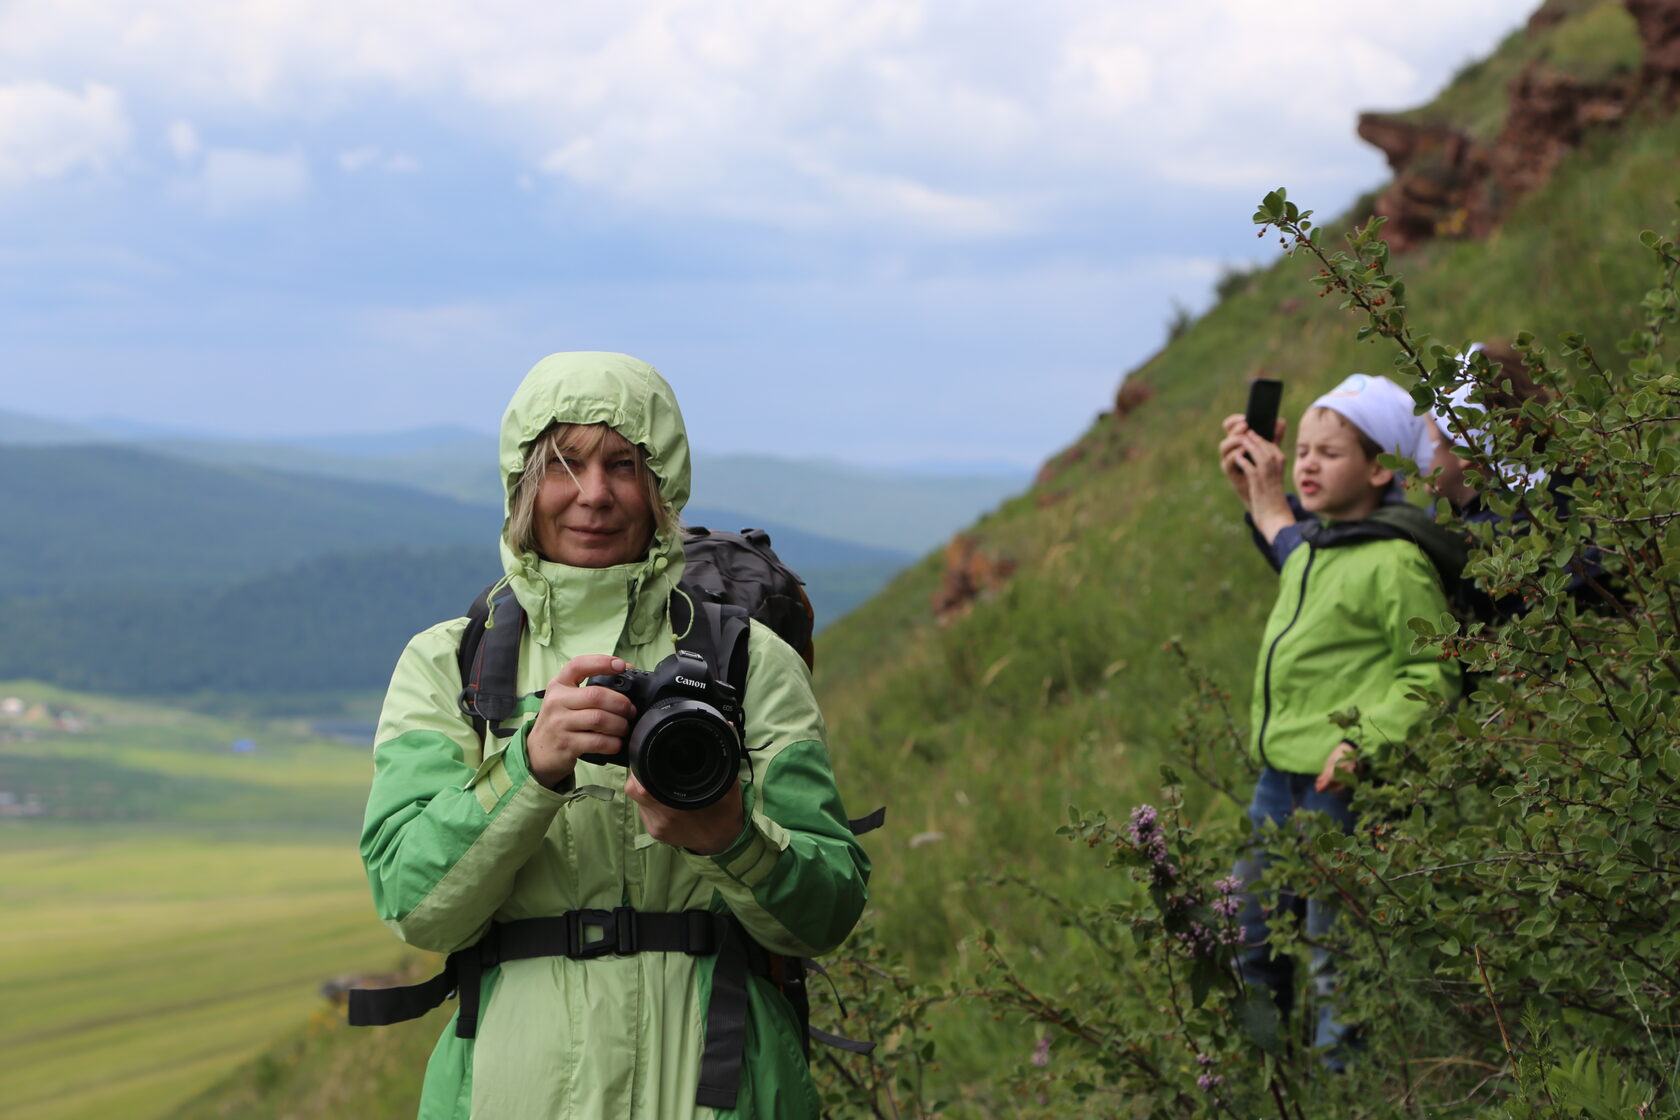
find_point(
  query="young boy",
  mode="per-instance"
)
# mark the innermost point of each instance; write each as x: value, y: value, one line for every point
x: 1356, y: 563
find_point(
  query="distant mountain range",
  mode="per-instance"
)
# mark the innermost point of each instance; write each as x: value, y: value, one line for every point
x: 903, y: 511
x: 223, y: 566
x: 101, y: 516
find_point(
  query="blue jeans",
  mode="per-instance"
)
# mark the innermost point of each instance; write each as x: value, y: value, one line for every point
x: 1277, y: 797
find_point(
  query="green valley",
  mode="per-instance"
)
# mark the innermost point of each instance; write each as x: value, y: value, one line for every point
x: 173, y: 901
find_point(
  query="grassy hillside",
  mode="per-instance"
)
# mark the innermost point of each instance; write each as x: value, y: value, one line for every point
x: 1057, y: 688
x: 1063, y: 685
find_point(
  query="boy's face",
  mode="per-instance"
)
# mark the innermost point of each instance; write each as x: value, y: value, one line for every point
x: 1332, y: 473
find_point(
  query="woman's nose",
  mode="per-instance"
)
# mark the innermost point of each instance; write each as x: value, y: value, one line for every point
x: 592, y: 486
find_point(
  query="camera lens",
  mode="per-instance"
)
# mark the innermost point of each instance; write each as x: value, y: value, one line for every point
x: 684, y: 753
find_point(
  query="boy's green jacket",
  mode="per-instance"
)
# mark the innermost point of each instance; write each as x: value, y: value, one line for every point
x: 1338, y: 639
x: 457, y: 835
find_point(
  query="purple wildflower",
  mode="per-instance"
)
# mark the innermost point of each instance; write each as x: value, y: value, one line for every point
x: 1145, y: 832
x: 1041, y: 1052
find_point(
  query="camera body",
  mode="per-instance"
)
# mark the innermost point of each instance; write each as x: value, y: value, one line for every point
x: 684, y: 745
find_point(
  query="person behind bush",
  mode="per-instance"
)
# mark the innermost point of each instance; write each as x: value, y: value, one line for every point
x: 1352, y: 573
x: 601, y: 918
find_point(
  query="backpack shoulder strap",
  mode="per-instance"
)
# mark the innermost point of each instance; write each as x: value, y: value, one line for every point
x: 488, y: 657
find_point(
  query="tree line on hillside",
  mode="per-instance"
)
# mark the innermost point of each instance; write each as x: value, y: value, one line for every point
x: 79, y: 519
x: 333, y: 623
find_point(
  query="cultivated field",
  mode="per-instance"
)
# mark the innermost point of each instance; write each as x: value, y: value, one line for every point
x: 173, y: 902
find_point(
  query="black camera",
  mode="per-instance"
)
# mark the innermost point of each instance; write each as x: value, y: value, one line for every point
x: 684, y: 745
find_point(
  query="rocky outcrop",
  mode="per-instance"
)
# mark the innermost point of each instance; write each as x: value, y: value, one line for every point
x: 1446, y: 183
x: 969, y: 573
x: 1548, y: 116
x: 1435, y: 170
x: 1134, y: 393
x: 1659, y: 28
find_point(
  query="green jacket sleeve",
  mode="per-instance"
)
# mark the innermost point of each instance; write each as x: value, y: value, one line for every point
x: 1409, y: 588
x: 796, y: 875
x: 445, y: 833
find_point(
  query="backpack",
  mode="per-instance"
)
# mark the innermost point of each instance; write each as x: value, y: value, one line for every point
x: 728, y: 579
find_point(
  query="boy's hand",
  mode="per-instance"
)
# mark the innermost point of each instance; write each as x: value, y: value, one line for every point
x: 1254, y: 468
x: 1343, y: 760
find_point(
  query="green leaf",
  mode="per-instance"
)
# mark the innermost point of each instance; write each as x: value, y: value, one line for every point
x: 1202, y: 978
x: 1259, y: 1018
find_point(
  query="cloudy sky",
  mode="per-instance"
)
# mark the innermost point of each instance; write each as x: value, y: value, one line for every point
x: 887, y: 231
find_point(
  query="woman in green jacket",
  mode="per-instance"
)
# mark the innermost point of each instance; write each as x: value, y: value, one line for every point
x: 462, y: 833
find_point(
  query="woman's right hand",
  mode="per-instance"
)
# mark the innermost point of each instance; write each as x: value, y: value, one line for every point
x: 577, y: 719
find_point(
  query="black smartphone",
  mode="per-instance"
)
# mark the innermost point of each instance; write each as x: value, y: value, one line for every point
x: 1264, y: 396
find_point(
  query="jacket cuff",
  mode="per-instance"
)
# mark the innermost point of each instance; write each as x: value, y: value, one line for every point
x: 750, y: 859
x: 510, y: 769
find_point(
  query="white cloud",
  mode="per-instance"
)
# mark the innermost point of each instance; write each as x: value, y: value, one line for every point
x: 918, y: 114
x: 378, y: 159
x: 47, y: 131
x: 183, y: 141
x: 235, y: 180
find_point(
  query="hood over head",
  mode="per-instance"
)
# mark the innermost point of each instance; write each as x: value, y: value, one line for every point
x: 629, y: 396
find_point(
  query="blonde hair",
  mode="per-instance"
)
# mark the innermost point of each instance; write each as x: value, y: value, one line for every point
x: 554, y: 444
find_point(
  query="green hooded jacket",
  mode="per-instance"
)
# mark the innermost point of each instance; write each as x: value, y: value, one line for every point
x: 458, y: 834
x: 1338, y: 639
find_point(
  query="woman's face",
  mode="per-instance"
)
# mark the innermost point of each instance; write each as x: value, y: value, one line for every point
x: 592, y: 509
x: 1451, y: 483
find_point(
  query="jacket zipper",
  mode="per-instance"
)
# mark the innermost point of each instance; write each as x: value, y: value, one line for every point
x: 1271, y: 652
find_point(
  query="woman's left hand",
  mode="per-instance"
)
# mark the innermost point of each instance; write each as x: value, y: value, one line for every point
x: 705, y: 832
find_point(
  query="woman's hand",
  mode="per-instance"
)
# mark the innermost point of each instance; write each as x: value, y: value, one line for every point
x: 577, y: 720
x: 1342, y: 760
x: 704, y: 832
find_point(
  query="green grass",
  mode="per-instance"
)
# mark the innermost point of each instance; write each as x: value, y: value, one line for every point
x: 177, y: 907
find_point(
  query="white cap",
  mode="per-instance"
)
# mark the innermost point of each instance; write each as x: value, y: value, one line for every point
x: 1512, y: 474
x: 1384, y: 411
